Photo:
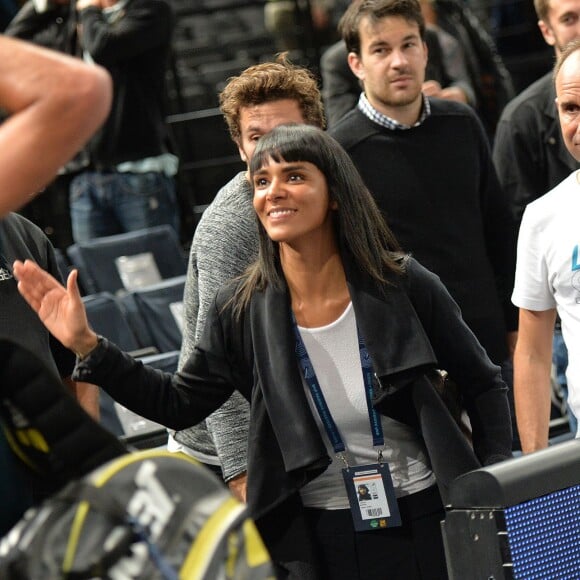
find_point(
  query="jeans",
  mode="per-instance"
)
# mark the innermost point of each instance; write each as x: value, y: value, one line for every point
x: 108, y: 203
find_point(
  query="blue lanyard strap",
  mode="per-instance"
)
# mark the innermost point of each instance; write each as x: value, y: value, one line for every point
x: 320, y: 402
x: 368, y: 378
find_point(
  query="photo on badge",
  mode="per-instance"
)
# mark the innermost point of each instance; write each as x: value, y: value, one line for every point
x: 371, y: 494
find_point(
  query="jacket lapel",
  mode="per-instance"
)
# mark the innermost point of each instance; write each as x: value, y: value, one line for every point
x: 389, y: 325
x: 279, y: 379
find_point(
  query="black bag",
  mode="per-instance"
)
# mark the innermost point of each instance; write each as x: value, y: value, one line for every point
x: 44, y: 424
x: 450, y: 392
x: 146, y: 515
x: 120, y: 516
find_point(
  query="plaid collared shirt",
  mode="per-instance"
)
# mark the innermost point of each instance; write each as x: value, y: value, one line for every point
x: 380, y: 119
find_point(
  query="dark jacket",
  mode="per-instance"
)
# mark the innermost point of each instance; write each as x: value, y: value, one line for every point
x: 489, y: 76
x: 135, y: 50
x: 408, y: 327
x: 22, y: 240
x: 20, y: 325
x: 529, y: 152
x: 55, y: 28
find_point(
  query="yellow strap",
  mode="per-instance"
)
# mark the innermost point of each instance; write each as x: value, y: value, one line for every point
x: 17, y: 448
x: 199, y: 557
x: 101, y: 478
x: 256, y: 553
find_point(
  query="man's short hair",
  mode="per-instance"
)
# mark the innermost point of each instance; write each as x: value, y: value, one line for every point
x: 376, y: 10
x: 542, y: 9
x: 267, y: 82
x: 571, y: 48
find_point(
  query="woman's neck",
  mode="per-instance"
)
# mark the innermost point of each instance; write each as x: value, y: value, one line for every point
x: 317, y: 285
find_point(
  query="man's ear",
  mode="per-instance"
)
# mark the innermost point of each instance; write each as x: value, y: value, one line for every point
x: 547, y: 33
x: 242, y: 154
x: 356, y: 66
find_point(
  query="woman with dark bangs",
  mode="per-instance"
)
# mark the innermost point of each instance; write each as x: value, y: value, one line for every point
x: 332, y: 335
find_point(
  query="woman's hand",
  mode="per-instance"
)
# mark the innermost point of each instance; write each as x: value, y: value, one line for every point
x: 61, y: 310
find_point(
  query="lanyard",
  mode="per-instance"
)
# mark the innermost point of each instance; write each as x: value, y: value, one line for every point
x: 320, y: 402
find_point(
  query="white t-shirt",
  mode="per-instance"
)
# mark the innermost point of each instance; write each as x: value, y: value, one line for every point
x: 334, y: 353
x: 548, y: 267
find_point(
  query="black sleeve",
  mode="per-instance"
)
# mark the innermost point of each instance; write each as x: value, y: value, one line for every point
x: 520, y: 164
x: 177, y: 401
x: 54, y: 28
x: 145, y: 24
x: 460, y: 354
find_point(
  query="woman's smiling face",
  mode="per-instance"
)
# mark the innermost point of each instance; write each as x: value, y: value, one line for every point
x: 292, y: 200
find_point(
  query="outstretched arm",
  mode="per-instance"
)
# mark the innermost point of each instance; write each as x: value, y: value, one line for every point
x: 177, y: 401
x: 55, y: 103
x: 60, y: 309
x: 532, y: 367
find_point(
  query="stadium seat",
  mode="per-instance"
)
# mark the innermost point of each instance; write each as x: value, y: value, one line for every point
x: 155, y: 313
x: 124, y: 261
x: 138, y: 432
x: 108, y: 318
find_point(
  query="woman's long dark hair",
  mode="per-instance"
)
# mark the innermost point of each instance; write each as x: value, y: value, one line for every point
x: 359, y: 225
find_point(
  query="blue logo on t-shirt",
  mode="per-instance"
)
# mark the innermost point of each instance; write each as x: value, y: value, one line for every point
x: 575, y: 264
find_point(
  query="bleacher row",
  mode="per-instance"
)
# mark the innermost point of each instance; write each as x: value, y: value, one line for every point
x: 198, y: 71
x: 200, y: 65
x: 132, y: 286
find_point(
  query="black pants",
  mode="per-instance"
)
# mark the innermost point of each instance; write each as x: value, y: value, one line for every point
x: 413, y: 551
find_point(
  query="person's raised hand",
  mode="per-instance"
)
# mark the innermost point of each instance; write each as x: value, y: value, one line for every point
x: 60, y: 309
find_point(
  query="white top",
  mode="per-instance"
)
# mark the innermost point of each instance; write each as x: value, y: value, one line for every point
x: 335, y: 356
x: 548, y: 267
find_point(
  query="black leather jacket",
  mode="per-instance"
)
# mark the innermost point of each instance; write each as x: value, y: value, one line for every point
x: 408, y: 328
x: 529, y: 153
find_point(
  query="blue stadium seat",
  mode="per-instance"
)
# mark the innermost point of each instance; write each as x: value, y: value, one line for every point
x: 139, y: 432
x: 154, y: 313
x: 97, y: 260
x: 108, y: 318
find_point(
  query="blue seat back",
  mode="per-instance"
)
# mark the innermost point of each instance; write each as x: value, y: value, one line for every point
x: 96, y: 259
x: 153, y: 313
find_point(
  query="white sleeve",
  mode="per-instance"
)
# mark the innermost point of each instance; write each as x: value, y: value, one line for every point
x: 532, y: 289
